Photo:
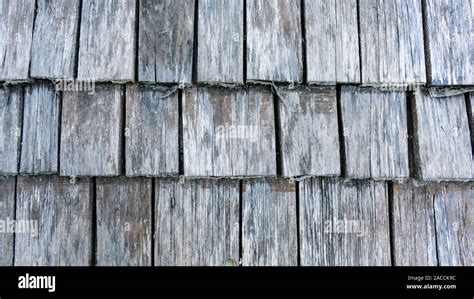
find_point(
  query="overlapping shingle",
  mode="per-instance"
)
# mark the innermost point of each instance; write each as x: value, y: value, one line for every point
x: 11, y: 103
x: 7, y: 213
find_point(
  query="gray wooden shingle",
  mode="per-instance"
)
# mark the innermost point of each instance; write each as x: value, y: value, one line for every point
x: 165, y: 52
x: 274, y: 40
x: 124, y: 222
x: 228, y: 132
x: 54, y: 47
x: 269, y: 231
x: 151, y: 134
x: 11, y: 101
x: 197, y: 222
x: 63, y: 215
x: 343, y: 223
x: 7, y: 215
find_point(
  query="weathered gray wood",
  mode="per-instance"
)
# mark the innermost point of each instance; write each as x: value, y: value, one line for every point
x: 343, y: 223
x: 309, y: 134
x: 391, y: 36
x: 228, y: 132
x: 375, y: 133
x: 151, y: 131
x: 63, y: 215
x: 165, y: 52
x: 220, y: 41
x: 10, y: 129
x: 7, y: 215
x: 274, y: 40
x: 332, y: 41
x: 54, y: 47
x: 107, y: 40
x: 269, y: 231
x: 91, y: 132
x: 450, y: 41
x: 40, y: 138
x: 124, y: 223
x: 442, y: 139
x: 16, y: 25
x: 197, y: 222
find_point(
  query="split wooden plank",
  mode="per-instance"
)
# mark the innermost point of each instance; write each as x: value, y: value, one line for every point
x: 40, y: 138
x: 344, y: 223
x: 197, y: 222
x: 269, y: 229
x: 16, y: 25
x: 151, y: 131
x: 55, y: 35
x: 124, y: 222
x: 165, y: 52
x: 442, y: 138
x: 91, y: 132
x: 57, y: 220
x: 450, y: 38
x: 332, y: 41
x: 228, y: 132
x: 274, y: 41
x: 220, y: 41
x: 391, y: 36
x: 11, y: 103
x: 7, y: 217
x: 309, y: 134
x: 110, y: 56
x: 375, y: 133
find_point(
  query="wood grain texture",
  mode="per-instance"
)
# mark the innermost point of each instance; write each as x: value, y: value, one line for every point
x: 124, y: 222
x: 375, y: 133
x: 165, y: 52
x: 40, y: 138
x: 391, y: 36
x: 7, y: 214
x: 110, y: 56
x: 343, y: 223
x: 11, y: 103
x: 91, y: 132
x: 16, y: 25
x: 54, y: 47
x: 269, y: 231
x: 443, y: 149
x: 220, y: 41
x: 450, y: 36
x: 309, y: 132
x: 274, y: 40
x: 228, y: 132
x: 332, y: 41
x: 151, y: 139
x: 197, y: 222
x: 63, y: 212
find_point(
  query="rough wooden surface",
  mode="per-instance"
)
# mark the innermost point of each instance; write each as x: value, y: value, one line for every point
x: 54, y: 47
x: 197, y: 222
x: 63, y: 212
x: 124, y: 222
x: 450, y: 41
x: 274, y: 40
x: 332, y: 41
x: 151, y: 131
x: 375, y: 133
x: 91, y: 132
x: 344, y: 223
x: 309, y: 133
x: 442, y: 138
x: 165, y: 52
x: 220, y: 41
x: 107, y: 40
x: 40, y: 137
x: 16, y: 25
x: 391, y: 37
x: 7, y: 213
x: 269, y: 231
x: 10, y: 129
x: 228, y: 132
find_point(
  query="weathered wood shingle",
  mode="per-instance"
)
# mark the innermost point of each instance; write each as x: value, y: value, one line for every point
x: 11, y: 101
x: 7, y: 215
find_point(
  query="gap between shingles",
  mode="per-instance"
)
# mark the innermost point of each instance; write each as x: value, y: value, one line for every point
x: 391, y: 223
x: 303, y: 42
x: 340, y: 124
x: 93, y: 185
x: 15, y: 199
x: 240, y: 263
x: 153, y: 203
x: 298, y: 231
x: 78, y: 41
